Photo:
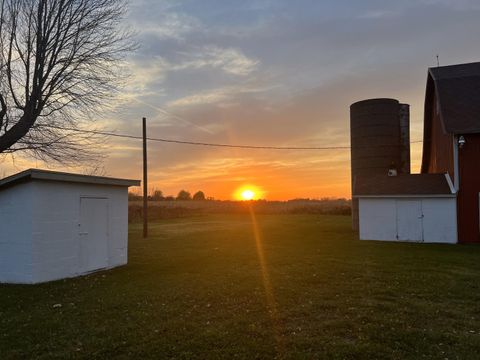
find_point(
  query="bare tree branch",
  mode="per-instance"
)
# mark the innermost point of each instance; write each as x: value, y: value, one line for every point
x: 58, y: 66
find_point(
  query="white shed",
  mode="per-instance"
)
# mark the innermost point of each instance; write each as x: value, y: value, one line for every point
x: 418, y: 208
x: 57, y: 225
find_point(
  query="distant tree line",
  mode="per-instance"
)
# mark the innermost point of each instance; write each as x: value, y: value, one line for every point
x: 183, y: 195
x: 181, y: 209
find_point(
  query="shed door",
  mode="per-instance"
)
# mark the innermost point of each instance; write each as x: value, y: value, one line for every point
x: 409, y: 220
x: 93, y: 234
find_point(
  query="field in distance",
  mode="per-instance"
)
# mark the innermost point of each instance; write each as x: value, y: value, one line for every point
x: 178, y: 208
x: 228, y: 287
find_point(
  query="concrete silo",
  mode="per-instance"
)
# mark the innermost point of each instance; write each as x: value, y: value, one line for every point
x: 379, y: 133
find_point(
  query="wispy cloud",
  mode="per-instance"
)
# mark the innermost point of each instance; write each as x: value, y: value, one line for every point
x: 143, y: 76
x: 379, y: 14
x: 229, y: 60
x: 148, y: 75
x: 227, y: 95
x: 202, y: 98
x: 455, y: 4
x: 170, y: 25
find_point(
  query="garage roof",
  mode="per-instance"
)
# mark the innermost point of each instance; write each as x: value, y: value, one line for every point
x: 404, y: 185
x: 46, y: 175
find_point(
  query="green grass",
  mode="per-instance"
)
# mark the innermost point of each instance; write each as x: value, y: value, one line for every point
x: 195, y: 290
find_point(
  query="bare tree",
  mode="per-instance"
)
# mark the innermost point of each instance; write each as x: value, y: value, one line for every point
x: 58, y: 66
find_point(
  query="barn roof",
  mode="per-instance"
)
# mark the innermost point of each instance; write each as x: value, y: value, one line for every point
x: 404, y: 185
x: 457, y: 90
x: 45, y: 175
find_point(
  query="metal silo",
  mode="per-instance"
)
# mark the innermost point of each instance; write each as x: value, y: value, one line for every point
x: 376, y: 141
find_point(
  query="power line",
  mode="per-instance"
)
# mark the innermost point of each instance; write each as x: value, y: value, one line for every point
x: 196, y: 143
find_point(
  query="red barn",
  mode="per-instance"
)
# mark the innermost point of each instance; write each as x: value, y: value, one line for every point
x: 452, y: 139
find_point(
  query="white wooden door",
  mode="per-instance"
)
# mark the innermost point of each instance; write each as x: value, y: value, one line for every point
x: 93, y: 234
x: 409, y: 220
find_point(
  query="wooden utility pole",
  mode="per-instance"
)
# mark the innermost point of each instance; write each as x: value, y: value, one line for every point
x: 145, y: 181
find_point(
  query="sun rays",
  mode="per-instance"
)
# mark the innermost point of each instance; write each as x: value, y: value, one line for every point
x: 271, y: 302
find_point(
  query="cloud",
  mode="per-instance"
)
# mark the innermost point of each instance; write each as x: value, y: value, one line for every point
x: 144, y: 74
x: 460, y: 5
x: 228, y: 95
x: 202, y: 98
x: 378, y: 14
x: 149, y: 74
x: 229, y: 60
x: 173, y: 26
x: 168, y: 25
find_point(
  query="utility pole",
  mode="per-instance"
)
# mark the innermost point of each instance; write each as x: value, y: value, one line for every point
x: 145, y: 180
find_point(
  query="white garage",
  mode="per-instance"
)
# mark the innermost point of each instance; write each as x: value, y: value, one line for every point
x: 417, y: 208
x: 56, y: 225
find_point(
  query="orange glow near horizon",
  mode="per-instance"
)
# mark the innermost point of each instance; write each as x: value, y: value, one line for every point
x: 323, y: 175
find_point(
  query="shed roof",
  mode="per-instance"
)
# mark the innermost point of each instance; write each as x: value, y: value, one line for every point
x: 403, y: 185
x: 457, y: 90
x: 46, y: 175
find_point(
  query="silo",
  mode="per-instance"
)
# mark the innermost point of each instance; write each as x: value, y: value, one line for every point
x: 405, y: 138
x: 376, y: 141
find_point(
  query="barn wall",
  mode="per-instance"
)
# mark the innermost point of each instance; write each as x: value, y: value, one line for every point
x: 441, y: 147
x: 378, y: 219
x: 56, y: 217
x: 15, y: 234
x: 468, y: 196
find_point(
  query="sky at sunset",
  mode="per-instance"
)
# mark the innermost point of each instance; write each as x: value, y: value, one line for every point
x: 271, y: 73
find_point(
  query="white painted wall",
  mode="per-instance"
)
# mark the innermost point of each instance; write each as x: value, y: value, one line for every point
x: 377, y: 219
x: 47, y: 246
x: 380, y: 219
x: 440, y: 220
x: 409, y: 220
x: 16, y: 234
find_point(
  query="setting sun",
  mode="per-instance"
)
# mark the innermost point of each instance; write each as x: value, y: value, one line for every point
x: 248, y: 194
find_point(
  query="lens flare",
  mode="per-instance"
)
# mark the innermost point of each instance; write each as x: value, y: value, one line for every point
x: 271, y: 302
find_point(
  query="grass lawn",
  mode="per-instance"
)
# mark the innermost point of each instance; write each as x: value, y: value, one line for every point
x: 198, y: 289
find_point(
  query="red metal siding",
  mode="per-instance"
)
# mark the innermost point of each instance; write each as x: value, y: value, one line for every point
x: 441, y: 147
x: 468, y: 201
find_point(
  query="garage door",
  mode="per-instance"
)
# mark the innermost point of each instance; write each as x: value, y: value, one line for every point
x: 93, y: 234
x: 409, y: 220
